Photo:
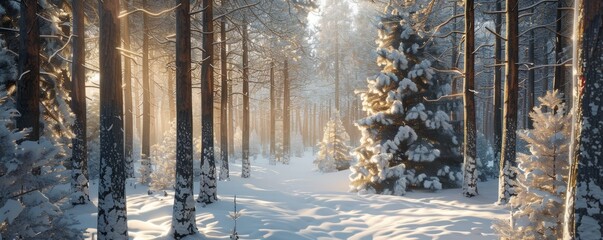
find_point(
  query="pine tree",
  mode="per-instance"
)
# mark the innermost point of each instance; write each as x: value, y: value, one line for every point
x: 246, y: 165
x: 334, y: 152
x: 79, y: 158
x: 542, y: 175
x: 183, y: 216
x: 208, y: 192
x: 112, y: 216
x: 405, y: 142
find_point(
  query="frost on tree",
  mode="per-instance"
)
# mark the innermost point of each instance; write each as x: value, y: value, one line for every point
x: 542, y: 175
x: 334, y: 152
x: 28, y: 209
x: 26, y: 212
x: 406, y: 141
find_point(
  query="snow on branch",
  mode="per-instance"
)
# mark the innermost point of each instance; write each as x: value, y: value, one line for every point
x: 157, y: 14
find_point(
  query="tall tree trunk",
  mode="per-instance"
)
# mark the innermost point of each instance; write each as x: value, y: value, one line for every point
x: 336, y: 69
x: 531, y: 78
x: 28, y: 84
x: 507, y: 174
x: 183, y: 215
x: 453, y: 58
x: 208, y: 193
x: 584, y: 201
x: 306, y: 126
x: 128, y: 113
x: 231, y: 128
x: 286, y: 115
x: 315, y: 126
x: 146, y: 169
x: 171, y: 95
x: 246, y: 168
x: 470, y: 165
x: 498, y: 82
x: 561, y: 43
x: 79, y: 158
x: 223, y: 103
x: 272, y: 116
x: 112, y: 216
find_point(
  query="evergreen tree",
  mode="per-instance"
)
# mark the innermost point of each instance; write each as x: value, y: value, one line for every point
x: 542, y: 175
x: 406, y: 141
x: 79, y: 156
x: 334, y: 152
x: 30, y: 169
x: 112, y: 216
x: 208, y: 191
x: 183, y: 216
x: 164, y: 158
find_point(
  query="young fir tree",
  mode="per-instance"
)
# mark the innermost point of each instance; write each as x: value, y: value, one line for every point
x: 26, y: 212
x: 334, y: 152
x: 164, y: 158
x: 542, y: 175
x: 406, y: 141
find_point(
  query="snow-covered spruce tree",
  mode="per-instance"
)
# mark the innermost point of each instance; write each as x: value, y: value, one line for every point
x: 542, y: 175
x: 334, y: 152
x: 406, y: 141
x: 164, y: 159
x: 25, y: 211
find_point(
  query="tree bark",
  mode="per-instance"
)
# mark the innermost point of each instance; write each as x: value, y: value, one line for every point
x: 584, y: 201
x: 453, y: 59
x: 231, y: 129
x: 223, y: 103
x: 112, y: 217
x: 336, y: 68
x: 531, y: 78
x: 246, y: 168
x: 128, y: 113
x: 146, y: 103
x: 470, y: 164
x: 272, y: 116
x: 28, y: 84
x: 507, y: 175
x: 561, y: 43
x: 171, y: 95
x: 79, y: 156
x: 498, y: 82
x: 183, y: 216
x: 208, y: 193
x: 286, y: 115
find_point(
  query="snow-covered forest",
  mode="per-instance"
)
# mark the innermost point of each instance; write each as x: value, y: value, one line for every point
x: 301, y: 119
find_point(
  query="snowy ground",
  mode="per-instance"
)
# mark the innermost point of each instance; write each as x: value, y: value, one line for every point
x: 295, y: 202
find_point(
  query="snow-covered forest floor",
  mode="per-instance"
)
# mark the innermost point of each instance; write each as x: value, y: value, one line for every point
x: 297, y: 202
